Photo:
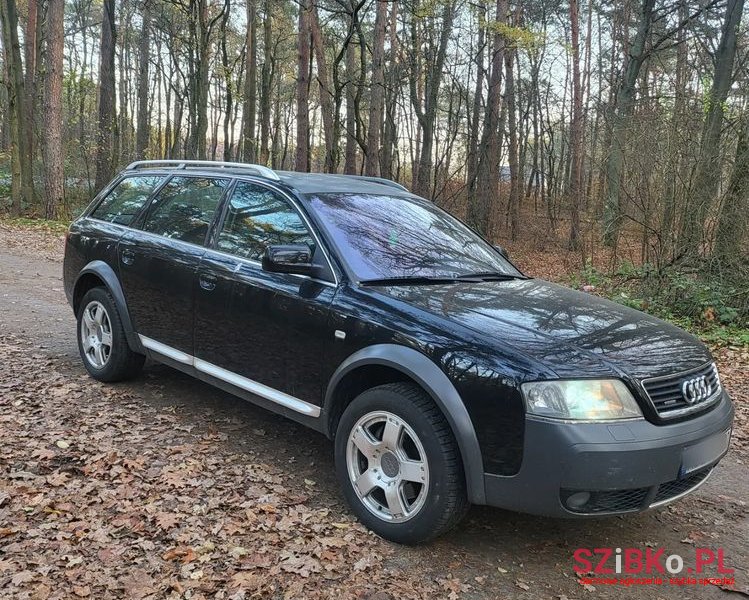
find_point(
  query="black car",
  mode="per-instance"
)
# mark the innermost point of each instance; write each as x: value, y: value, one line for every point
x: 444, y: 375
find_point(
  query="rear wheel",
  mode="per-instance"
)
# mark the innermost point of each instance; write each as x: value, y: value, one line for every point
x: 399, y: 464
x: 101, y: 339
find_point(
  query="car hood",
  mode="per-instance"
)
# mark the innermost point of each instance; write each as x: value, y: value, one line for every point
x: 572, y: 333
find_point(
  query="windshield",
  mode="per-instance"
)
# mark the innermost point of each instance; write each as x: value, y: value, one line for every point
x: 386, y: 237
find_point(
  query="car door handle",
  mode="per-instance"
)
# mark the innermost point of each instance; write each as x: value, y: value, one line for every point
x: 128, y: 257
x: 207, y: 282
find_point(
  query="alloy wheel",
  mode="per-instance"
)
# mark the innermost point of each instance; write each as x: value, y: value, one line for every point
x: 96, y: 334
x: 387, y: 466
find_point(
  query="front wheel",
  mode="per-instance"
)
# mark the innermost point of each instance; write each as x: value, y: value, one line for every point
x: 399, y: 465
x: 101, y: 339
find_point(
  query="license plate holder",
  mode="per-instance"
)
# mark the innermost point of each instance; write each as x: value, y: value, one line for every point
x: 704, y: 453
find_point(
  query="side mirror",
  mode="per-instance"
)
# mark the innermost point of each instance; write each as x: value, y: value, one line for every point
x: 289, y: 258
x: 502, y: 251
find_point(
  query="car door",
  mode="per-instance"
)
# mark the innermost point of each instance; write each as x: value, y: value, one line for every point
x: 256, y: 327
x: 159, y: 261
x: 96, y: 237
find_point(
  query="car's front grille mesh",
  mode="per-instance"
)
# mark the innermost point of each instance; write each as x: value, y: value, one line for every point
x: 667, y: 393
x: 633, y: 499
x: 611, y: 501
x: 671, y: 489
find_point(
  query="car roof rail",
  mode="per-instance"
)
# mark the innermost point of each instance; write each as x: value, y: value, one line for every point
x: 260, y: 170
x: 380, y: 180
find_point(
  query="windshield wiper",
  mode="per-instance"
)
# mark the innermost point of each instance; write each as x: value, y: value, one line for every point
x: 490, y: 276
x: 410, y: 280
x: 442, y: 279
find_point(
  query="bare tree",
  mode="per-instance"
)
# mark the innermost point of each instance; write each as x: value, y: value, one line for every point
x: 250, y: 89
x: 377, y: 94
x: 22, y: 182
x: 622, y: 113
x: 708, y: 171
x: 326, y: 97
x: 487, y: 171
x: 143, y: 127
x: 302, y: 88
x: 52, y: 145
x: 107, y: 127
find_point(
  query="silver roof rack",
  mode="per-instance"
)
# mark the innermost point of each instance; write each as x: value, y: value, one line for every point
x: 380, y: 180
x: 260, y: 170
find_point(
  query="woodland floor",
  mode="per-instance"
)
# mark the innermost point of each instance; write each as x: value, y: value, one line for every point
x: 167, y: 488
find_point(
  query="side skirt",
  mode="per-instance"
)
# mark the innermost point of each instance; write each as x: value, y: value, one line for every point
x: 263, y: 395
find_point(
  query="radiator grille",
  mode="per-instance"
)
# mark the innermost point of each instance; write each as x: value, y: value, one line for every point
x: 667, y: 393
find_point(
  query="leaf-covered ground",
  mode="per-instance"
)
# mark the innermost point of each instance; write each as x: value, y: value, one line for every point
x: 167, y: 488
x: 105, y: 496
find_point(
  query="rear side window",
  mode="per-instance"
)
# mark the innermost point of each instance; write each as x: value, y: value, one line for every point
x: 126, y: 199
x: 257, y: 218
x: 184, y: 208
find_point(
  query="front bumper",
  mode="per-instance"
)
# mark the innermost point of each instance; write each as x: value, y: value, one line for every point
x: 621, y: 467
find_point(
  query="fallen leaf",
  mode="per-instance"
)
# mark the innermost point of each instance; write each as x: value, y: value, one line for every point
x: 166, y: 520
x: 182, y: 554
x: 22, y: 577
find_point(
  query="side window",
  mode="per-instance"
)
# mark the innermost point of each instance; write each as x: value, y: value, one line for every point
x: 184, y: 208
x: 126, y: 199
x: 257, y: 218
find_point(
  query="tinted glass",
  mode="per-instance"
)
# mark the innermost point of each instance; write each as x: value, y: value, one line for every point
x: 257, y: 218
x: 126, y: 199
x: 184, y: 208
x: 385, y: 236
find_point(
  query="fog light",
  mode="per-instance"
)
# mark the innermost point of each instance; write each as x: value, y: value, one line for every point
x: 577, y: 500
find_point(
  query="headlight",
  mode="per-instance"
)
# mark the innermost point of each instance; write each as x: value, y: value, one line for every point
x: 580, y: 400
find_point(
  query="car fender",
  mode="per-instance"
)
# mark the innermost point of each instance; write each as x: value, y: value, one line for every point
x: 433, y: 380
x: 105, y: 272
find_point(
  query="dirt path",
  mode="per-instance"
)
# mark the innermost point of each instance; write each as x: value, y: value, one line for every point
x: 166, y: 487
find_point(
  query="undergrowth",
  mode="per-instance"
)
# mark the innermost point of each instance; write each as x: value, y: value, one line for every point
x: 715, y: 309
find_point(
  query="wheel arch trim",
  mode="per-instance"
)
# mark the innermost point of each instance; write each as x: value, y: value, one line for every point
x: 104, y: 271
x: 433, y: 380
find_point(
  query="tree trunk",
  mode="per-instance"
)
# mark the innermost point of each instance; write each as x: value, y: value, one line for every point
x: 266, y: 89
x: 326, y: 98
x: 674, y: 166
x: 513, y: 202
x: 143, y: 126
x: 622, y: 112
x: 708, y: 171
x: 487, y: 171
x: 53, y: 152
x: 31, y: 50
x: 732, y: 220
x: 575, y: 188
x: 473, y: 131
x: 250, y: 85
x: 301, y: 162
x: 349, y: 166
x: 427, y: 113
x: 227, y: 73
x: 201, y: 82
x: 107, y: 126
x: 22, y: 181
x: 377, y: 94
x: 390, y: 126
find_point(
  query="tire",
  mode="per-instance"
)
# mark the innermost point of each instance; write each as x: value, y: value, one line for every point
x: 101, y: 339
x: 396, y: 444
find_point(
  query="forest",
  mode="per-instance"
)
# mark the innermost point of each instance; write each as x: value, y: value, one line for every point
x: 617, y: 131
